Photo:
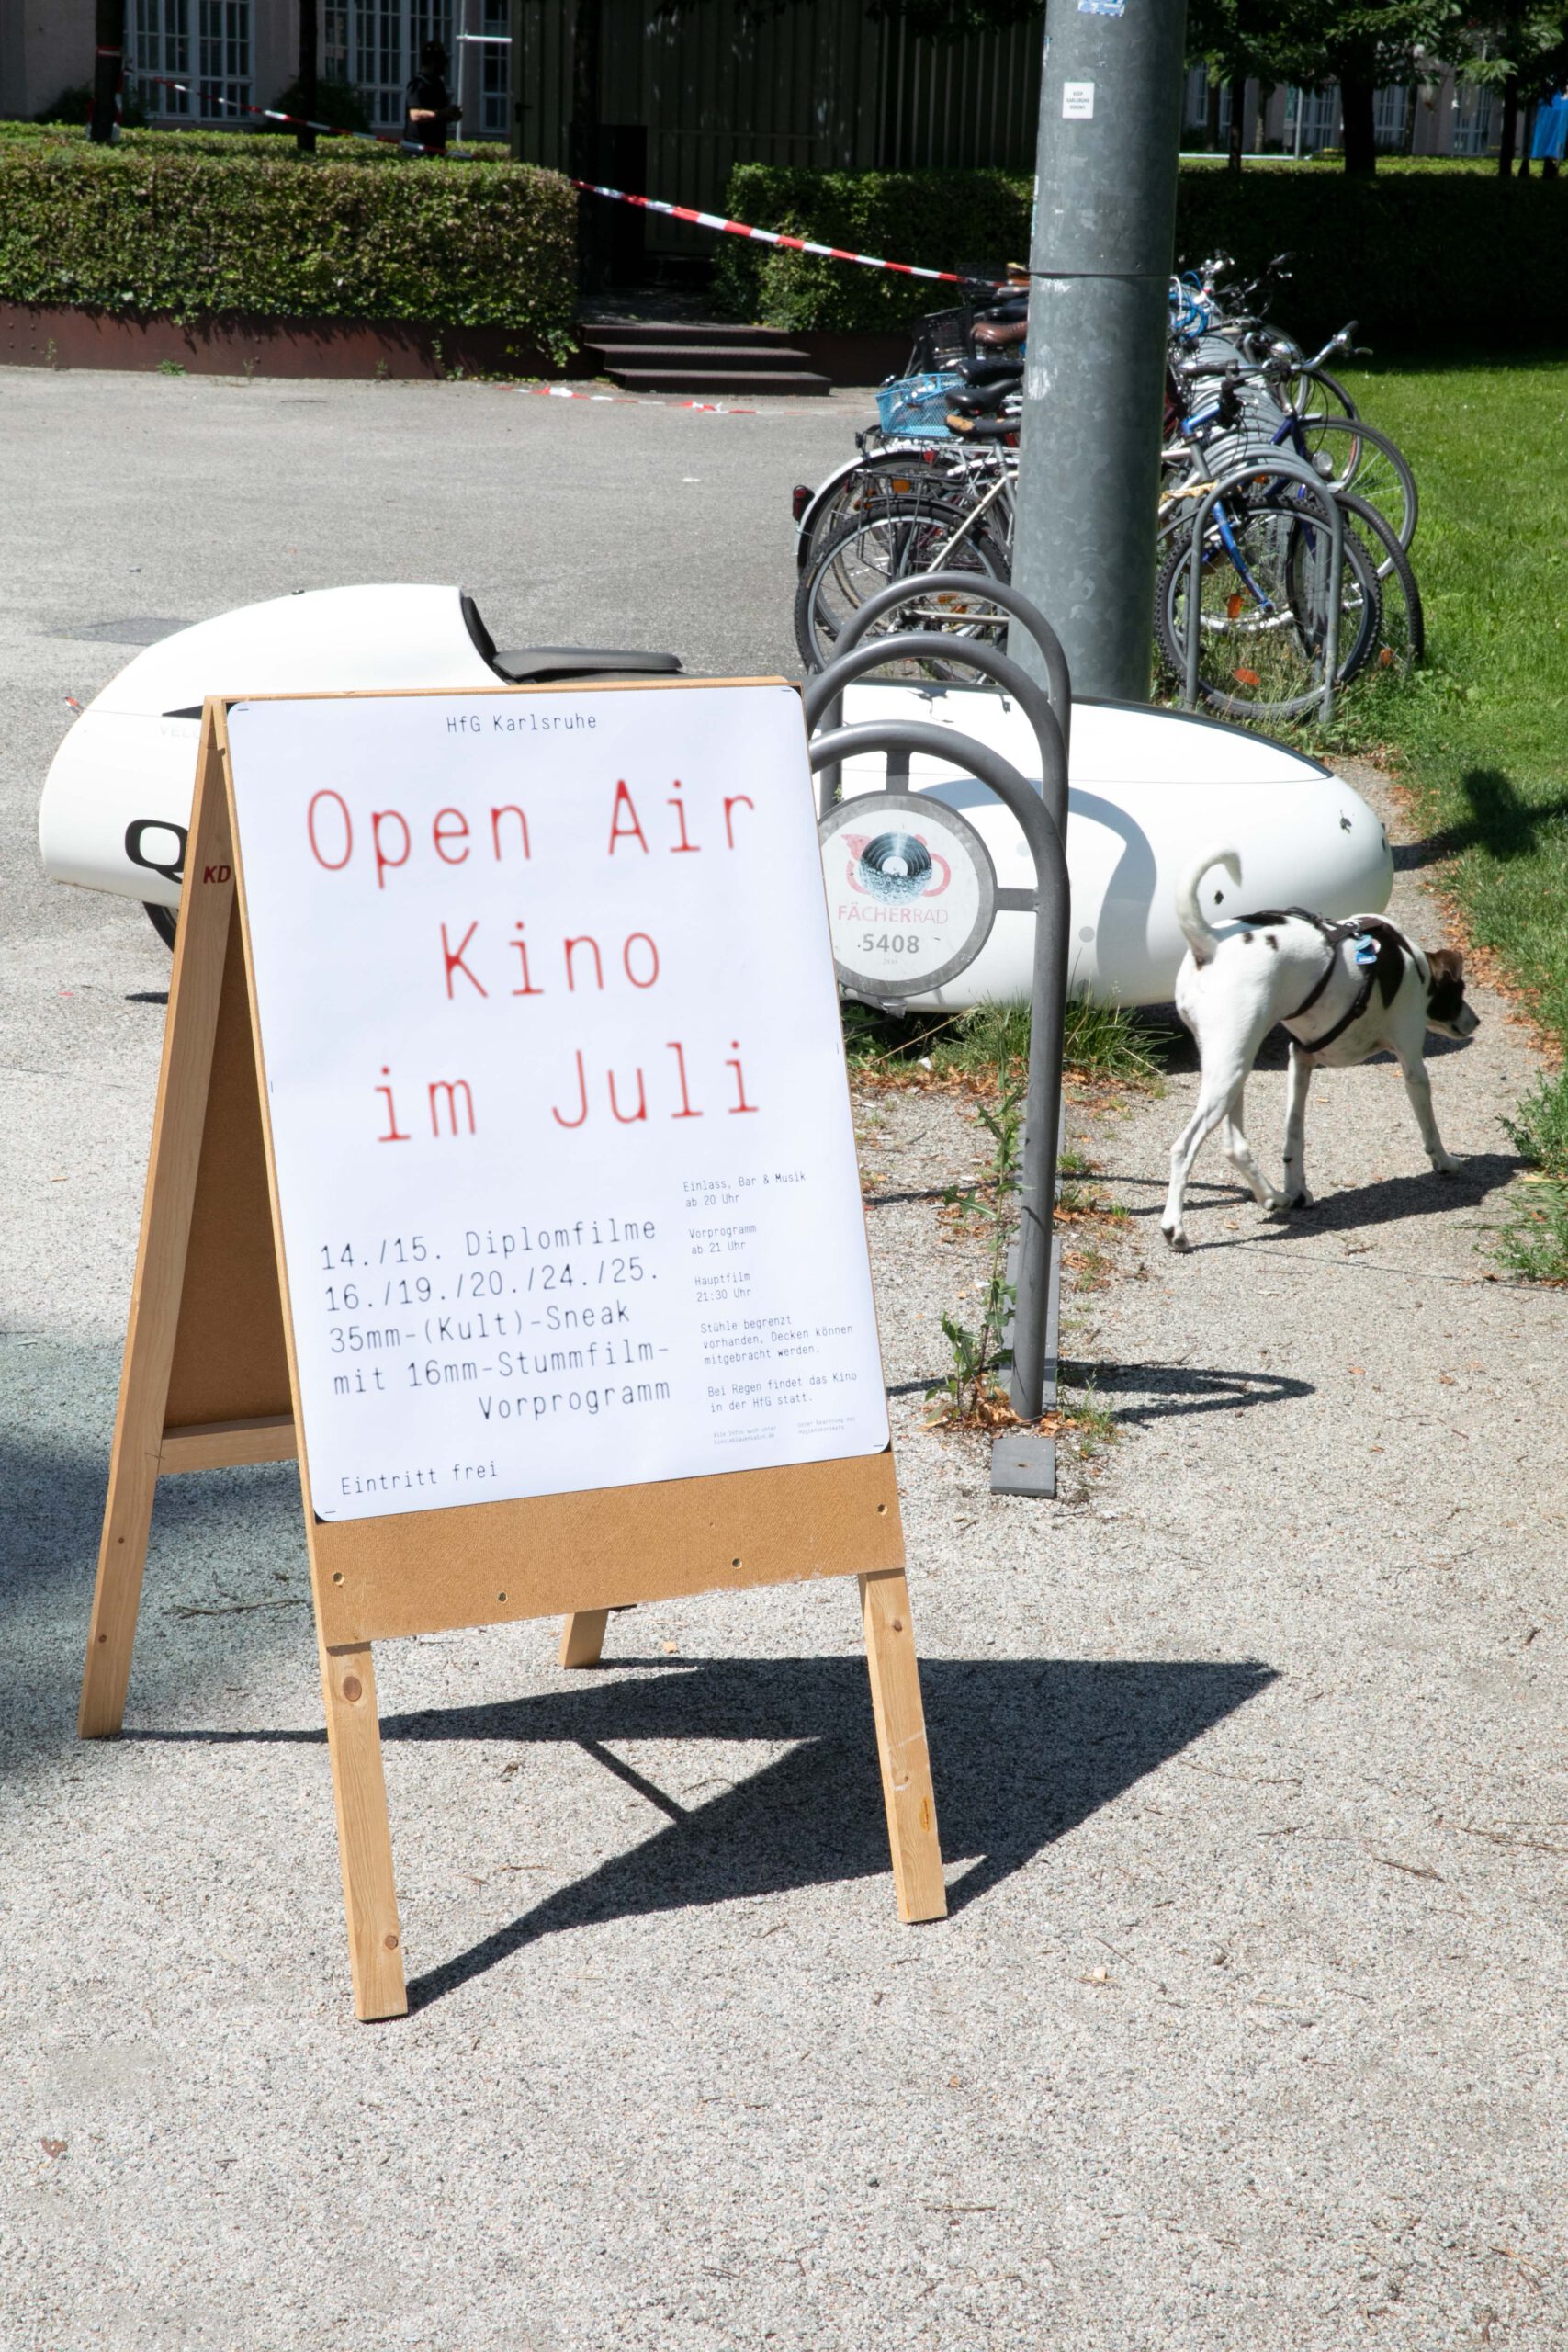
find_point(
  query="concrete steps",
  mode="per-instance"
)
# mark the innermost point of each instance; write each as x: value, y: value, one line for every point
x: 654, y: 355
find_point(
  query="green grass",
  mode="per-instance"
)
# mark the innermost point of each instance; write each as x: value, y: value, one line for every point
x: 1480, y: 735
x: 1534, y: 1243
x: 1541, y: 1130
x: 1099, y: 1041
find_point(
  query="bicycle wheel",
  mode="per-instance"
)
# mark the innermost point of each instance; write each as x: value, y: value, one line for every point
x: 888, y: 473
x: 1402, y: 625
x: 1351, y: 455
x: 1263, y: 608
x: 1314, y: 393
x: 898, y: 541
x: 1361, y: 597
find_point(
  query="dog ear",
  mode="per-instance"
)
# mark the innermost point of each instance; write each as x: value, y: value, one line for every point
x: 1447, y: 963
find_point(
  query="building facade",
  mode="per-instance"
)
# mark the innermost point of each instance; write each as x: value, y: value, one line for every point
x: 826, y: 84
x: 1442, y: 116
x: 234, y: 54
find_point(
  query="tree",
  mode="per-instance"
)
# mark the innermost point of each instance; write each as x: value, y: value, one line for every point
x: 1362, y: 45
x: 1241, y: 40
x: 108, y: 25
x: 1367, y: 44
x: 1520, y: 48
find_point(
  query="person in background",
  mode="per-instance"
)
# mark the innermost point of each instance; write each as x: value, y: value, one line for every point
x: 1551, y: 134
x: 427, y: 103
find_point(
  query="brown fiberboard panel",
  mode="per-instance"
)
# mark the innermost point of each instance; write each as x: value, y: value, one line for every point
x: 231, y: 1363
x: 429, y: 1571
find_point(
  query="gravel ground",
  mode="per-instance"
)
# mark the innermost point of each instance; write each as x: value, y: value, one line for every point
x: 1244, y: 2033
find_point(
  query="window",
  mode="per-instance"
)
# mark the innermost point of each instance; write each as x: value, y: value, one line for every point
x: 1473, y: 119
x: 223, y: 44
x: 375, y: 44
x: 1199, y: 90
x: 205, y: 44
x: 1391, y: 110
x: 495, y: 71
x: 1312, y: 120
x: 159, y: 52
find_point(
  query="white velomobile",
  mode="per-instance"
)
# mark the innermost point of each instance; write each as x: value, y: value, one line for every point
x: 117, y: 801
x: 1148, y: 789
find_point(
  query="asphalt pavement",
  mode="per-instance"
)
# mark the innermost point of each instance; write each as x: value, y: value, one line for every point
x: 1245, y: 2032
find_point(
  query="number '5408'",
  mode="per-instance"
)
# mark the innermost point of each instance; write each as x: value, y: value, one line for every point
x: 890, y: 943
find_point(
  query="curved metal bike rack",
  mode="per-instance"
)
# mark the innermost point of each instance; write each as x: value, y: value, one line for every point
x: 825, y: 701
x: 1006, y: 599
x: 1290, y: 467
x: 1025, y: 1461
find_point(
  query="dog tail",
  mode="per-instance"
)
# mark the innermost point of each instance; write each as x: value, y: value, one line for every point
x: 1200, y: 936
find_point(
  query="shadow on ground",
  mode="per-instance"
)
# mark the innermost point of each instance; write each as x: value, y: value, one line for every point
x: 1165, y: 1391
x: 227, y: 1545
x: 1359, y: 1206
x: 1348, y: 1210
x: 1501, y: 821
x: 1024, y: 1750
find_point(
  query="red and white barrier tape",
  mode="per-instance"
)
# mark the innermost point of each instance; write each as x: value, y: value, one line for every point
x: 587, y: 187
x: 272, y: 114
x: 632, y: 399
x: 768, y: 236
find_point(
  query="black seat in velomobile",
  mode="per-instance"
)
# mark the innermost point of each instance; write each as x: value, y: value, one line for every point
x: 539, y: 665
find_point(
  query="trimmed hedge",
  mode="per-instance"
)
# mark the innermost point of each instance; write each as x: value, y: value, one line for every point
x: 159, y: 225
x: 1422, y: 257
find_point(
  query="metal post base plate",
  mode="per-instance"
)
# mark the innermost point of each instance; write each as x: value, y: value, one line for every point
x: 1024, y: 1462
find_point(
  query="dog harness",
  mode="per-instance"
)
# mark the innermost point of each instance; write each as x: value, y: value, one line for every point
x: 1378, y: 953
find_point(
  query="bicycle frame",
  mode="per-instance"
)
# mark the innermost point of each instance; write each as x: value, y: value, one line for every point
x: 1292, y: 467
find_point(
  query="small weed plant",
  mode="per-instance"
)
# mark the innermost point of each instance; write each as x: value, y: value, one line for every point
x: 972, y: 1395
x: 1534, y: 1244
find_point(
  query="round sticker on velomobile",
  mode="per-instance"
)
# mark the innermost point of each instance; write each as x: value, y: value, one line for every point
x: 911, y: 893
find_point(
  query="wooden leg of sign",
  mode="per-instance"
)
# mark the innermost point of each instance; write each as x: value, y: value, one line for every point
x: 585, y: 1636
x: 128, y: 1523
x: 195, y: 988
x: 901, y: 1747
x: 364, y: 1833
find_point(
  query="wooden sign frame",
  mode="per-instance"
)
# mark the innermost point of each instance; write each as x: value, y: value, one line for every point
x: 211, y: 1381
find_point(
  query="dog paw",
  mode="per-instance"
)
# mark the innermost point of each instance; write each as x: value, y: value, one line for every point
x: 1176, y: 1236
x: 1298, y: 1200
x: 1273, y: 1204
x: 1445, y: 1164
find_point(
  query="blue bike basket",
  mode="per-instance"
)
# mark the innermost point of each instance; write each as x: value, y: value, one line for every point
x: 917, y: 406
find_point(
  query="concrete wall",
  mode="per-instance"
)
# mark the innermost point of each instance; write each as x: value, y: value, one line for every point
x: 46, y: 46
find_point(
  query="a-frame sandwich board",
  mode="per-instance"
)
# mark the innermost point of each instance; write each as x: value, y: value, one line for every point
x: 210, y: 1380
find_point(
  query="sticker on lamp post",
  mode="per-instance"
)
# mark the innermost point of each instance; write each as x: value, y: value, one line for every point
x: 911, y: 893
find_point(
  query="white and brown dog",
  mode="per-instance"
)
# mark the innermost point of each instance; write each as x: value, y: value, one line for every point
x: 1342, y: 990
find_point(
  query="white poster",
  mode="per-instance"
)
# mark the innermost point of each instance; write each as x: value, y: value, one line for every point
x: 556, y: 1084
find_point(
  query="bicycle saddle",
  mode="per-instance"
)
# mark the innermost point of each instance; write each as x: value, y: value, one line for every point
x: 982, y: 400
x: 983, y: 428
x: 1002, y: 368
x: 992, y: 334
